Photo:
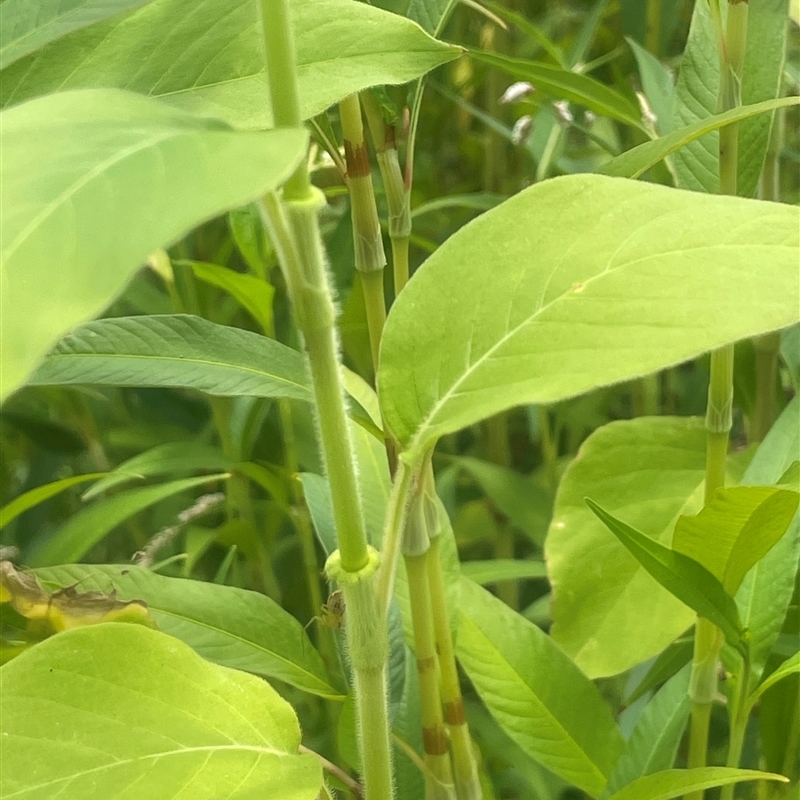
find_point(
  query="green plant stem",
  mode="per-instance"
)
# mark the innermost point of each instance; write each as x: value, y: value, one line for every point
x: 400, y: 262
x: 397, y: 191
x: 765, y: 409
x: 406, y: 478
x: 719, y: 411
x: 465, y: 767
x: 367, y: 239
x: 653, y: 35
x: 295, y: 233
x: 740, y: 711
x: 434, y: 735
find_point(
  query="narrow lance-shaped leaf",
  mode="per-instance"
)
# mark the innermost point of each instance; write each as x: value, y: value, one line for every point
x: 638, y: 160
x: 689, y: 581
x: 179, y: 351
x: 19, y: 505
x: 535, y: 693
x: 604, y: 300
x: 82, y: 531
x: 564, y: 84
x: 789, y: 667
x: 83, y: 718
x: 77, y: 167
x: 227, y: 625
x: 676, y: 782
x: 208, y: 57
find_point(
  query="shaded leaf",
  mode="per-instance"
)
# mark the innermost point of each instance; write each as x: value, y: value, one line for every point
x: 564, y: 84
x: 19, y: 505
x: 655, y: 739
x: 789, y: 667
x: 82, y: 531
x: 502, y: 569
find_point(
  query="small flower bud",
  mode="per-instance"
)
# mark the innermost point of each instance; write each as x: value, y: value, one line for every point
x: 517, y: 91
x: 522, y: 129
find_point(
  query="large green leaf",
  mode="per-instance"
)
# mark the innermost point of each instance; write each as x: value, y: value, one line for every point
x: 535, y: 693
x: 687, y: 579
x: 564, y: 84
x: 735, y: 530
x: 654, y: 742
x: 208, y: 57
x: 676, y: 782
x: 497, y: 570
x: 696, y: 94
x: 179, y: 351
x: 230, y: 626
x: 574, y: 283
x: 27, y: 25
x: 82, y: 531
x: 651, y: 470
x: 634, y: 162
x: 92, y: 183
x: 767, y: 589
x: 111, y: 711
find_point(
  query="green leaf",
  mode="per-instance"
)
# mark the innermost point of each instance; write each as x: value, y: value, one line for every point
x: 210, y: 59
x: 253, y: 294
x: 668, y: 663
x: 179, y: 351
x: 654, y: 742
x: 767, y: 589
x: 83, y: 718
x: 19, y: 505
x: 696, y: 94
x: 657, y: 84
x: 478, y: 201
x: 77, y: 168
x: 27, y: 25
x: 563, y: 84
x: 735, y: 530
x: 75, y: 537
x: 170, y: 458
x: 502, y: 569
x: 232, y: 627
x: 516, y: 496
x: 676, y: 782
x: 789, y: 667
x: 531, y: 31
x: 604, y: 300
x: 650, y: 470
x: 688, y: 580
x: 638, y: 160
x: 535, y: 693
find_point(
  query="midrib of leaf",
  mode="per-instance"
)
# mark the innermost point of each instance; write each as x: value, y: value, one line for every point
x: 565, y: 735
x: 419, y: 440
x: 83, y: 181
x: 183, y: 360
